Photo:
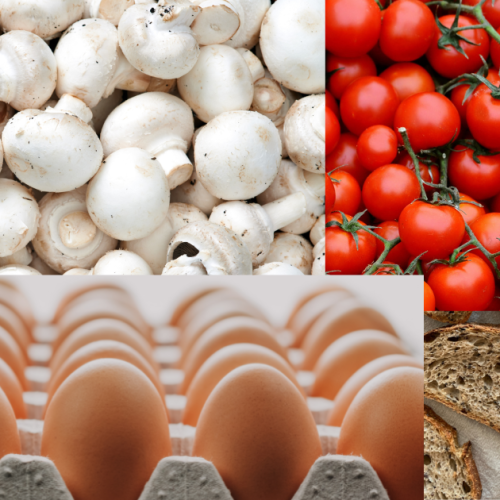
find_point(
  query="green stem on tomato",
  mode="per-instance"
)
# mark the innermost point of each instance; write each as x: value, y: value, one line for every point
x: 388, y: 246
x: 488, y: 255
x: 406, y: 142
x: 443, y: 170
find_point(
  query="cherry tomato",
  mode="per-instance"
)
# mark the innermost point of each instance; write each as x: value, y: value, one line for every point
x: 387, y: 271
x: 430, y: 120
x: 487, y: 230
x: 470, y: 212
x: 448, y: 61
x: 346, y: 157
x: 402, y: 21
x: 495, y: 303
x: 347, y: 69
x: 331, y: 103
x: 495, y: 49
x: 408, y: 79
x: 429, y: 299
x: 491, y: 10
x: 434, y: 229
x: 390, y: 231
x: 332, y: 131
x: 352, y: 26
x: 380, y: 59
x: 483, y: 119
x: 341, y: 252
x: 466, y: 286
x: 495, y: 204
x: 429, y: 173
x: 377, y: 146
x: 389, y: 189
x: 368, y: 101
x: 329, y: 195
x: 347, y: 191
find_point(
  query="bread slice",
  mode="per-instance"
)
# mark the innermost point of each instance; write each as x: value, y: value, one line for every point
x: 449, y: 316
x: 449, y: 469
x: 462, y: 370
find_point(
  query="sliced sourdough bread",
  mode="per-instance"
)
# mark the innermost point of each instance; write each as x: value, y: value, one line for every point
x: 449, y: 469
x: 462, y: 370
x: 449, y: 316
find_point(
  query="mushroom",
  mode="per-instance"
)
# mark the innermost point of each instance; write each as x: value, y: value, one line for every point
x: 110, y: 10
x: 29, y: 70
x: 121, y: 262
x: 78, y: 272
x: 292, y: 179
x: 22, y: 257
x: 291, y: 249
x: 292, y: 40
x: 318, y: 230
x: 156, y: 37
x: 193, y: 269
x: 19, y: 216
x: 219, y: 250
x: 43, y: 18
x: 256, y: 224
x: 104, y: 108
x: 277, y: 269
x: 159, y: 123
x: 18, y: 270
x: 305, y: 133
x: 128, y: 198
x: 318, y: 267
x: 153, y: 248
x: 237, y: 155
x: 217, y: 21
x: 6, y: 113
x: 53, y: 150
x: 67, y: 237
x: 38, y: 264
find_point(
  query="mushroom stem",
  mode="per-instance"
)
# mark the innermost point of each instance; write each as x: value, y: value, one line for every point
x: 74, y: 106
x: 315, y: 182
x: 254, y: 64
x: 126, y: 77
x: 77, y: 230
x: 286, y: 210
x: 176, y: 165
x: 216, y: 23
x: 268, y: 96
x: 318, y: 121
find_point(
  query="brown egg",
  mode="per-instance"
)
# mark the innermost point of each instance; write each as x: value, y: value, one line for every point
x: 239, y: 330
x: 11, y: 353
x: 346, y: 316
x: 356, y: 382
x: 217, y: 366
x: 102, y: 329
x: 13, y: 298
x: 13, y: 389
x: 11, y: 322
x: 9, y: 436
x: 347, y: 355
x: 98, y: 350
x: 186, y: 303
x: 258, y: 432
x: 384, y: 426
x: 106, y: 429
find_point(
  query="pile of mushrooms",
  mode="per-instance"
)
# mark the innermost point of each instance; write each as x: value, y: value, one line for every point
x: 167, y: 137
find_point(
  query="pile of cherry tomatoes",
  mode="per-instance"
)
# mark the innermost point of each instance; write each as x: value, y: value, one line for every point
x: 413, y: 143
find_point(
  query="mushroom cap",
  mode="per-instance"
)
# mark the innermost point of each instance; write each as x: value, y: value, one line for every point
x: 318, y: 268
x: 121, y: 262
x: 237, y: 155
x: 194, y: 269
x: 217, y: 22
x: 219, y: 249
x: 251, y: 14
x: 22, y: 257
x: 63, y: 241
x: 110, y: 10
x: 128, y: 198
x: 18, y: 270
x: 45, y: 19
x: 318, y: 230
x: 292, y: 40
x: 277, y: 269
x: 29, y: 70
x: 78, y: 272
x: 157, y: 40
x: 291, y: 249
x: 220, y: 81
x: 19, y: 216
x: 41, y: 266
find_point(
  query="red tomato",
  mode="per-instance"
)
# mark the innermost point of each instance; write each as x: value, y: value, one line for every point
x: 408, y: 79
x: 430, y: 120
x: 407, y: 30
x: 387, y: 271
x: 390, y: 231
x: 487, y: 230
x: 434, y: 229
x: 341, y: 252
x: 495, y: 303
x: 389, y: 189
x: 347, y: 69
x: 483, y: 119
x: 495, y: 49
x: 467, y: 286
x: 352, y: 26
x: 429, y: 173
x: 380, y: 59
x: 377, y: 146
x: 329, y: 195
x: 332, y: 131
x: 347, y: 191
x: 491, y: 10
x: 448, y: 61
x: 345, y: 156
x: 331, y: 103
x: 495, y: 204
x: 470, y: 212
x: 368, y: 101
x: 429, y: 299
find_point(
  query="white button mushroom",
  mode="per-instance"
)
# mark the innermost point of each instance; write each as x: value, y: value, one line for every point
x: 292, y: 40
x: 78, y: 272
x: 38, y: 264
x: 21, y: 257
x: 277, y: 269
x: 216, y: 23
x: 159, y: 123
x: 256, y: 224
x: 318, y: 267
x: 18, y: 270
x: 219, y: 250
x: 110, y: 10
x: 291, y: 249
x: 318, y: 230
x: 194, y: 269
x: 29, y: 70
x: 237, y: 155
x: 129, y: 196
x: 19, y: 216
x: 156, y: 37
x: 67, y: 237
x: 43, y: 18
x: 53, y: 151
x: 121, y: 262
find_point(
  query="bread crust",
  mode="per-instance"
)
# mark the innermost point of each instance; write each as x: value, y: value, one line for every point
x: 449, y: 316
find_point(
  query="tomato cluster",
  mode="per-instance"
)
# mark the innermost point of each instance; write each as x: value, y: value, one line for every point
x: 413, y: 145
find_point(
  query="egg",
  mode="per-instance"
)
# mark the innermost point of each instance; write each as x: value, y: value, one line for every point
x: 346, y: 316
x: 217, y: 366
x: 106, y: 429
x: 13, y: 298
x: 384, y: 425
x: 13, y: 324
x: 239, y: 330
x: 186, y: 303
x: 347, y: 355
x: 258, y: 432
x: 98, y: 350
x: 102, y: 329
x: 11, y: 353
x: 9, y: 436
x: 13, y: 389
